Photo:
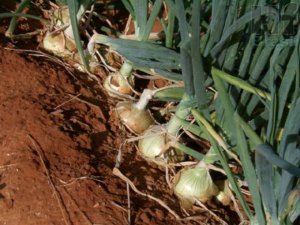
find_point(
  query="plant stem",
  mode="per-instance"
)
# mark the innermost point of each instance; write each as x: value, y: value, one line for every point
x: 189, y: 151
x: 126, y: 69
x: 174, y: 125
x: 144, y: 99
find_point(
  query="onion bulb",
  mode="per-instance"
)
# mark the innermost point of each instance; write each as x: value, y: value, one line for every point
x: 156, y: 146
x: 59, y: 44
x: 120, y: 83
x: 135, y: 119
x: 158, y: 142
x: 116, y: 85
x: 194, y: 184
x: 135, y: 116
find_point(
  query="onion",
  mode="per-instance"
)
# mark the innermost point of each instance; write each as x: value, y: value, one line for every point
x: 156, y: 146
x: 117, y: 86
x: 135, y: 116
x: 158, y: 142
x: 59, y: 44
x: 120, y: 83
x: 134, y: 119
x: 54, y: 43
x: 154, y: 143
x: 194, y: 184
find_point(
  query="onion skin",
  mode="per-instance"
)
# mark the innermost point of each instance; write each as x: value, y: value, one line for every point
x: 54, y: 43
x: 134, y: 119
x: 116, y: 86
x: 59, y: 44
x: 195, y: 183
x: 155, y: 146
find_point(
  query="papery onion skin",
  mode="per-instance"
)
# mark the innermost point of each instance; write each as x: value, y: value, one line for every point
x: 134, y: 119
x: 115, y: 86
x: 195, y: 183
x: 155, y: 146
x: 153, y: 143
x: 54, y: 43
x: 59, y: 44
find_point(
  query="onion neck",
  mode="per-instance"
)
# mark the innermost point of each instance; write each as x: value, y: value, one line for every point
x: 144, y: 99
x: 126, y: 70
x: 174, y: 125
x: 201, y: 164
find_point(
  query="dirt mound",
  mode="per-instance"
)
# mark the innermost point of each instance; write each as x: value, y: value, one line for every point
x: 36, y: 131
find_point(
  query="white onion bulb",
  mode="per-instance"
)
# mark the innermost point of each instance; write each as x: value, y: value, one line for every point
x: 155, y: 146
x: 59, y: 44
x: 54, y: 43
x: 195, y: 183
x: 135, y: 119
x: 116, y: 85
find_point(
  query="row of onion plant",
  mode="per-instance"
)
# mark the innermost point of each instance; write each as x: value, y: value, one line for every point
x: 233, y: 74
x: 247, y: 118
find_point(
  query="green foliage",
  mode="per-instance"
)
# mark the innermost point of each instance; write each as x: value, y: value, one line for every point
x: 275, y: 100
x: 257, y: 80
x: 76, y: 10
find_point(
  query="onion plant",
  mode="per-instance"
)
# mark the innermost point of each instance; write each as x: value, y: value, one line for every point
x: 277, y: 161
x: 137, y: 53
x: 135, y: 115
x: 258, y: 120
x: 249, y: 117
x: 192, y: 72
x: 60, y: 43
x: 70, y: 33
x: 122, y: 82
x: 194, y: 184
x: 161, y: 61
x: 67, y: 17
